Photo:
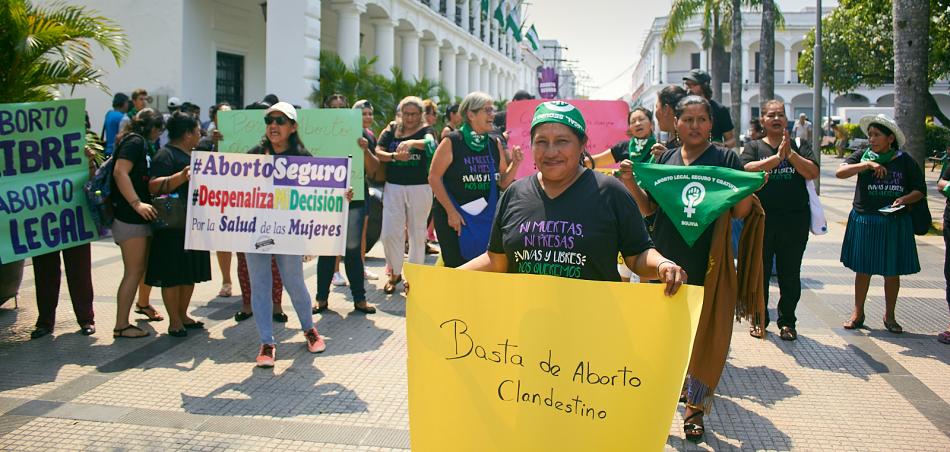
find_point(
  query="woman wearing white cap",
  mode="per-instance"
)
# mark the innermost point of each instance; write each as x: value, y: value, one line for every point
x: 879, y: 239
x: 280, y: 139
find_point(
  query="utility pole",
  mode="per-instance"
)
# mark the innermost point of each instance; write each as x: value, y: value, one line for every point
x: 816, y: 133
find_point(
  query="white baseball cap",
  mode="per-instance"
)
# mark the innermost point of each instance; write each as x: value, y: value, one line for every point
x: 288, y: 110
x: 174, y: 102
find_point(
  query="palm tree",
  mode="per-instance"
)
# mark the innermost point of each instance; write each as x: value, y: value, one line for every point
x: 911, y: 44
x: 43, y: 48
x: 767, y: 52
x: 735, y: 76
x: 714, y: 37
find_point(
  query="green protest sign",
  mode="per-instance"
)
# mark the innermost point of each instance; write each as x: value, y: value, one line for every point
x: 324, y: 132
x: 695, y: 196
x: 42, y: 172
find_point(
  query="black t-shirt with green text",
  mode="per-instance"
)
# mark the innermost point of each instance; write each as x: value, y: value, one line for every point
x: 575, y: 235
x: 413, y: 171
x: 871, y: 193
x: 785, y: 191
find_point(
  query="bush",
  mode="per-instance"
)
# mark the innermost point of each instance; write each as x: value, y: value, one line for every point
x: 854, y: 131
x: 362, y: 83
x: 937, y: 139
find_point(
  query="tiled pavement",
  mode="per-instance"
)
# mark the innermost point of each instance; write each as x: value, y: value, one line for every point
x: 831, y: 390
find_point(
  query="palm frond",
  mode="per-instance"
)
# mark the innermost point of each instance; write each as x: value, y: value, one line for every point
x: 681, y: 12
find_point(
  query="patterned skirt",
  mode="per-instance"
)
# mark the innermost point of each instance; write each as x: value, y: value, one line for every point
x: 880, y: 245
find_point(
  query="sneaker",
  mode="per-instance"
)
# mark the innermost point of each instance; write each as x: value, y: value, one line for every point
x: 370, y: 276
x: 338, y: 279
x: 266, y: 357
x: 315, y: 343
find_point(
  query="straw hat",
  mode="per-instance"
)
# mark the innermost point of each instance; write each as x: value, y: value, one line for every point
x: 886, y: 122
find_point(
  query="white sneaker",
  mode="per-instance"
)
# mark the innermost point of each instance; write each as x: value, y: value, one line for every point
x: 370, y: 276
x: 338, y: 279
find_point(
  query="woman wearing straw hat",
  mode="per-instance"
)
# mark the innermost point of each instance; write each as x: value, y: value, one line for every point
x: 879, y: 239
x: 582, y: 212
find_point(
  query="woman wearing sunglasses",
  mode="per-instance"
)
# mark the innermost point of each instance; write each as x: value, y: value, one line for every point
x: 281, y: 140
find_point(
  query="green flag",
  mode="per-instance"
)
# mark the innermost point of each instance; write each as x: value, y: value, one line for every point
x: 500, y: 14
x: 533, y: 38
x: 485, y: 6
x: 695, y: 196
x: 514, y: 22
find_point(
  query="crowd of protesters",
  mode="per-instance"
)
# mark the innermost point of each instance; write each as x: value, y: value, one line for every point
x: 457, y: 185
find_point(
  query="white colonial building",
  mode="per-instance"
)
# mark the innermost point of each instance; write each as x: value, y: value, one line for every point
x: 657, y: 69
x: 206, y: 51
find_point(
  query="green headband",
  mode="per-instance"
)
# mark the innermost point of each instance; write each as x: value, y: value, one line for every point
x: 561, y: 113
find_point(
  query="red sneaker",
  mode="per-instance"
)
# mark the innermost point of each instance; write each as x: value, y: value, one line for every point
x: 266, y: 356
x: 315, y: 343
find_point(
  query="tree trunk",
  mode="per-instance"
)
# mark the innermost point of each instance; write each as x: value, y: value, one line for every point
x: 911, y: 43
x: 767, y: 52
x: 719, y: 65
x: 735, y: 75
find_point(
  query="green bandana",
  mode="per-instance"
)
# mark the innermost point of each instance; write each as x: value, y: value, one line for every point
x: 561, y: 113
x: 946, y: 191
x: 872, y: 156
x: 693, y: 197
x: 639, y: 149
x: 430, y: 146
x: 473, y: 140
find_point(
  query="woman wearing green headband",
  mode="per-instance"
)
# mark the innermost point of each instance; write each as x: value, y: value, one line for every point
x: 467, y: 170
x: 879, y: 238
x: 567, y: 220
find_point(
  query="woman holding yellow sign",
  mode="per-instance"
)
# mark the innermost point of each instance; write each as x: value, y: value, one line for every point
x: 693, y: 208
x: 570, y: 221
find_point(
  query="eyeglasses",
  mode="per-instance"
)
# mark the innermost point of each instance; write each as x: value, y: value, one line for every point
x: 280, y: 120
x: 488, y: 110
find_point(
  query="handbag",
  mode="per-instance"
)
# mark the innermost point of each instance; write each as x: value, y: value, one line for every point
x: 171, y: 210
x: 920, y: 216
x: 819, y: 226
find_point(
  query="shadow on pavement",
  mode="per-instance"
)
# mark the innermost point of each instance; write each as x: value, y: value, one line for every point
x: 849, y: 360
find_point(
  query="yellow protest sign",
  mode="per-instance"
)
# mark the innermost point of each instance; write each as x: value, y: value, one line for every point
x: 525, y: 362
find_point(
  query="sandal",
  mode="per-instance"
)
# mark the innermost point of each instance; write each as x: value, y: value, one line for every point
x: 854, y: 324
x: 241, y: 316
x: 893, y: 326
x: 122, y: 332
x: 279, y: 317
x: 756, y: 332
x: 364, y: 307
x: 196, y: 325
x: 150, y: 312
x: 788, y: 333
x: 321, y: 306
x: 390, y: 286
x: 225, y: 290
x: 944, y: 337
x: 694, y: 432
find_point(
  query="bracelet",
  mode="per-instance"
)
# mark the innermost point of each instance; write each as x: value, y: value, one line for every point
x: 661, y: 263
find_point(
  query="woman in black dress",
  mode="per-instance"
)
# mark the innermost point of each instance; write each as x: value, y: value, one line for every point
x: 170, y: 265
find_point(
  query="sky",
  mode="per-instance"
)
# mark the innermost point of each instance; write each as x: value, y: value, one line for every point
x: 604, y: 36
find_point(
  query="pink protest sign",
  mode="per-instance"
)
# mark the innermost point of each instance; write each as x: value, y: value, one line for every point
x: 606, y: 125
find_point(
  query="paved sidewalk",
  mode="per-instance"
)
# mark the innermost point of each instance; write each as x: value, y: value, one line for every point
x: 831, y: 390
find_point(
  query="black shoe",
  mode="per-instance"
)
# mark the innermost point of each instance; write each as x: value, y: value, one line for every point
x: 241, y: 316
x: 88, y: 330
x: 180, y: 333
x: 280, y: 317
x: 196, y: 325
x: 39, y: 332
x: 364, y: 307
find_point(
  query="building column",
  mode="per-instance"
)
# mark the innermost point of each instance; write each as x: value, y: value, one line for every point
x: 348, y: 31
x: 450, y: 10
x: 483, y: 82
x: 474, y: 75
x: 466, y: 11
x: 410, y: 54
x: 434, y: 5
x: 489, y: 20
x: 292, y: 66
x: 664, y: 63
x: 385, y: 46
x: 430, y: 61
x: 448, y: 70
x: 656, y: 62
x: 493, y: 82
x: 461, y: 76
x: 476, y: 8
x: 788, y: 65
x: 745, y: 65
x: 702, y: 59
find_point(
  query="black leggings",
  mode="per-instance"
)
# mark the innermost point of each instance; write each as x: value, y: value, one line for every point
x: 352, y: 260
x: 448, y: 238
x: 785, y: 238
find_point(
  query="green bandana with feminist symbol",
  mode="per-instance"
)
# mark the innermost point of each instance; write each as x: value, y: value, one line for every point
x: 474, y: 141
x: 871, y: 156
x: 639, y: 149
x: 693, y: 197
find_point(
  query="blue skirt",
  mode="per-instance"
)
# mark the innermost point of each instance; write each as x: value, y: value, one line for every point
x: 880, y: 245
